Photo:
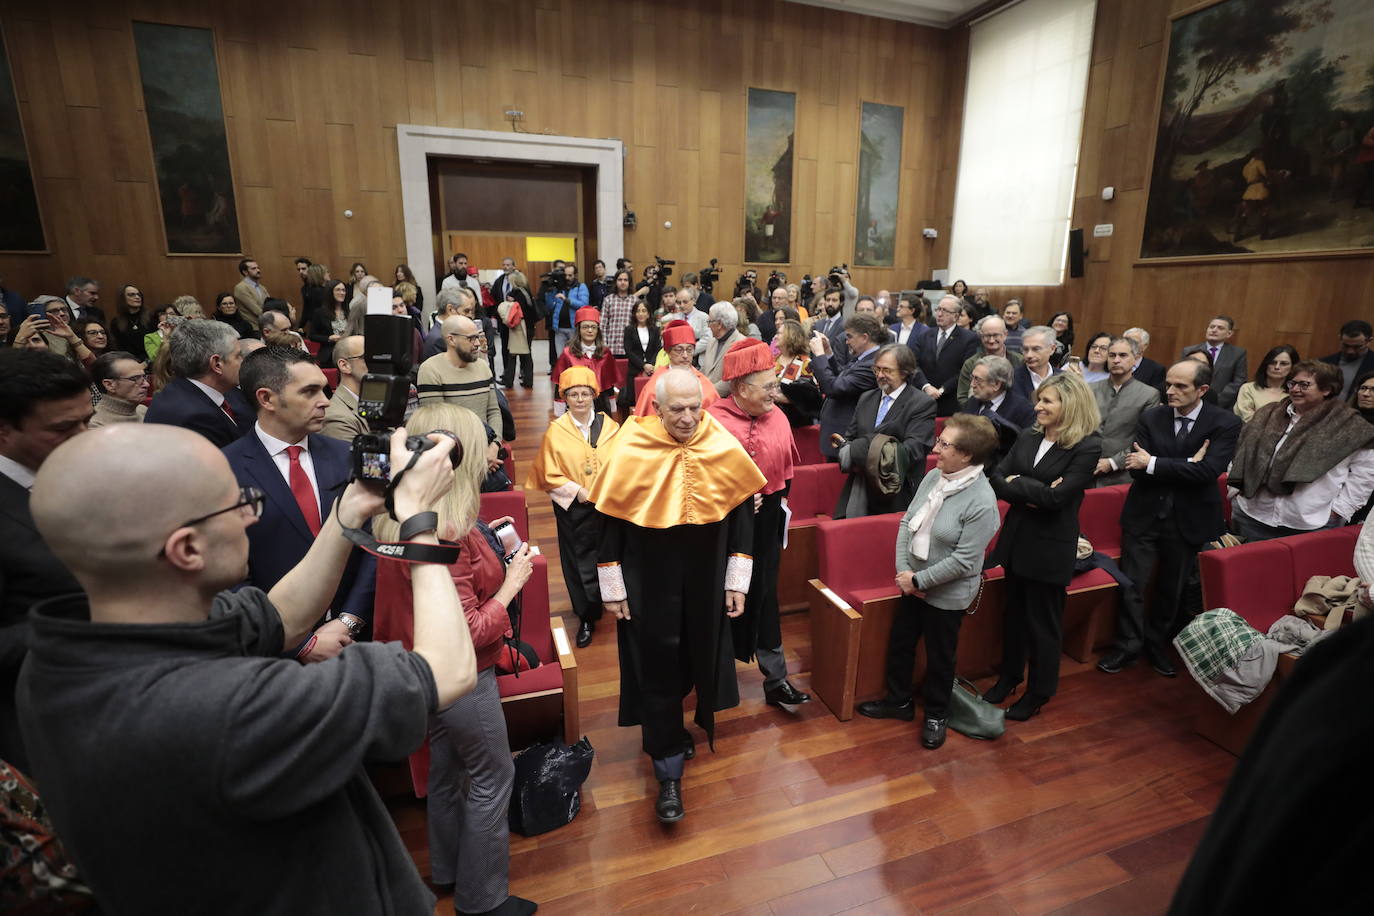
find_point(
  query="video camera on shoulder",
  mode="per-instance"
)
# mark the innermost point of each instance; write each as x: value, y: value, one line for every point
x: 709, y: 276
x: 383, y: 394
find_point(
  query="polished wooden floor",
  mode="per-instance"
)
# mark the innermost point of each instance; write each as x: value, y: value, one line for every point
x: 1092, y: 807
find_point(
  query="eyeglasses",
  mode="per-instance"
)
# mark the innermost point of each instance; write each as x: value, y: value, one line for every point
x: 132, y: 378
x: 681, y: 349
x: 469, y: 337
x: 1301, y: 385
x: 347, y: 358
x: 1365, y: 389
x: 250, y: 497
x: 942, y: 444
x: 771, y: 387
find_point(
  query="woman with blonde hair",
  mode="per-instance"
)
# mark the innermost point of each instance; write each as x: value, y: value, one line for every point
x: 1043, y: 477
x: 569, y: 458
x: 800, y: 397
x: 470, y: 767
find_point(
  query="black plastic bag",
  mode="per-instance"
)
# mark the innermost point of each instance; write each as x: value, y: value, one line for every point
x: 548, y: 783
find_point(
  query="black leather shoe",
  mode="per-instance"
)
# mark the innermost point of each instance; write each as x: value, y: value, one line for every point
x: 669, y: 805
x: 1114, y: 661
x: 689, y: 747
x: 784, y: 696
x: 887, y: 709
x: 1029, y: 705
x: 1160, y: 662
x: 999, y: 692
x: 584, y: 634
x: 511, y: 906
x: 933, y: 733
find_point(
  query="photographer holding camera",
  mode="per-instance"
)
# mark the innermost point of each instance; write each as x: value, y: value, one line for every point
x: 185, y: 764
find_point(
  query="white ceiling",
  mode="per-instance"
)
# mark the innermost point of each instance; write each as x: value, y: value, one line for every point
x: 938, y: 13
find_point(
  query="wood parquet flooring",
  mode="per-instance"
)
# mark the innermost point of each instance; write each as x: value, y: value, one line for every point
x: 1092, y: 807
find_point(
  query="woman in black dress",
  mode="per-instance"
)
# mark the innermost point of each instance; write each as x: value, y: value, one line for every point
x: 642, y: 343
x: 1043, y: 478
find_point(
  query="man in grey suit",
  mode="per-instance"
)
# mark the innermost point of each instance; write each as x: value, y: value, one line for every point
x: 1229, y: 369
x: 723, y: 323
x: 1121, y: 399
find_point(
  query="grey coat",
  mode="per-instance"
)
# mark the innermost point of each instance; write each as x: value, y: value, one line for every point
x: 967, y: 522
x: 1120, y: 411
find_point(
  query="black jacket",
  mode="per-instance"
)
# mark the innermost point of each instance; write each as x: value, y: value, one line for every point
x: 1039, y: 538
x: 910, y: 418
x: 1179, y: 488
x: 183, y: 404
x: 942, y: 371
x: 638, y: 357
x: 1151, y: 373
x: 1014, y: 409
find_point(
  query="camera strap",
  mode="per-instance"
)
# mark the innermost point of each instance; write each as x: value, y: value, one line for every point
x: 406, y: 551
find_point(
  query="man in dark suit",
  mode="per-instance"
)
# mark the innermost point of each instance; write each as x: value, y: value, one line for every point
x: 44, y: 401
x: 831, y: 323
x: 842, y: 387
x: 941, y: 354
x: 1146, y: 370
x: 203, y: 395
x: 991, y: 395
x: 1037, y: 345
x: 1354, y: 358
x: 1229, y: 369
x: 897, y: 409
x: 1172, y: 509
x: 302, y: 472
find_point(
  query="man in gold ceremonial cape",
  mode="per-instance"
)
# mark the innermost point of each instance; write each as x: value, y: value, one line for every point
x: 568, y: 460
x: 676, y: 491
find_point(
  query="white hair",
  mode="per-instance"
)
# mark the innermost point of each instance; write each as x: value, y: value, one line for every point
x: 675, y: 373
x: 725, y: 313
x: 1140, y: 333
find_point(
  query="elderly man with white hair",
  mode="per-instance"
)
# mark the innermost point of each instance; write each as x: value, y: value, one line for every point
x: 1146, y: 370
x: 676, y: 493
x: 1037, y: 346
x: 723, y: 323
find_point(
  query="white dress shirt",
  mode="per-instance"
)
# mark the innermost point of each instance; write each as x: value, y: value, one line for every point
x: 277, y: 450
x: 212, y: 394
x: 16, y: 472
x: 1192, y: 416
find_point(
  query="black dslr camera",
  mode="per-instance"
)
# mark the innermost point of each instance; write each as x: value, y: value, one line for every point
x: 776, y: 278
x: 382, y: 398
x: 836, y: 275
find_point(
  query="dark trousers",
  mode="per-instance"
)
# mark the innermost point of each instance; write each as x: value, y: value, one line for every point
x: 940, y: 628
x: 1160, y: 549
x: 579, y: 535
x: 507, y: 364
x: 508, y: 367
x: 1251, y: 530
x: 1034, y: 633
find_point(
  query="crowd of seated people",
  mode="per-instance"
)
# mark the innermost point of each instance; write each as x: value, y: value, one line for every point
x: 932, y: 407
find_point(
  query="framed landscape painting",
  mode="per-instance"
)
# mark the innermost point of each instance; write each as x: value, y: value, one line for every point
x: 190, y: 151
x: 768, y: 177
x: 1265, y: 138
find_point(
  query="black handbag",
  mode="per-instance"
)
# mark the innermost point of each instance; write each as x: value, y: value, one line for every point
x: 972, y: 716
x: 548, y: 786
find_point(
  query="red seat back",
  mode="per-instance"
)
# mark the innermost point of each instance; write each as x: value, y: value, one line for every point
x: 640, y: 382
x: 808, y: 439
x: 1002, y: 509
x: 1329, y: 552
x: 815, y: 488
x: 939, y: 426
x: 1225, y: 503
x: 312, y: 347
x: 512, y: 503
x: 1254, y: 580
x: 332, y: 377
x: 1099, y: 517
x: 622, y: 371
x: 858, y: 552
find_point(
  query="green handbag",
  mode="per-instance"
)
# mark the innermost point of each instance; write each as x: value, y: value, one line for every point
x: 972, y: 716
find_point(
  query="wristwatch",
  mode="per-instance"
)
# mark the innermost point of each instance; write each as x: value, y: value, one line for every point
x: 354, y: 624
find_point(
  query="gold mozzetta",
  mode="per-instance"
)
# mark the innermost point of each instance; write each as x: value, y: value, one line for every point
x: 649, y: 479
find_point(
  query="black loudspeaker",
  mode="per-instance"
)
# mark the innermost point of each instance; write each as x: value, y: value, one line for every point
x: 1076, y: 252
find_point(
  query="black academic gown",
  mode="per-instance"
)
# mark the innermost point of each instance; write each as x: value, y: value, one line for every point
x: 579, y: 538
x: 676, y: 639
x: 759, y: 625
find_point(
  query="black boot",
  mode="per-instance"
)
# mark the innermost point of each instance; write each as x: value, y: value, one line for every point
x: 669, y: 805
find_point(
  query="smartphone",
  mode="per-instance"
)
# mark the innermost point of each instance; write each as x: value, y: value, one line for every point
x: 1073, y: 361
x: 38, y: 308
x: 509, y: 538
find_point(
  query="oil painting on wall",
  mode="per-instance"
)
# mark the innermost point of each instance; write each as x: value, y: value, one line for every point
x: 1265, y: 142
x: 880, y: 172
x: 21, y: 229
x: 768, y: 177
x: 190, y: 151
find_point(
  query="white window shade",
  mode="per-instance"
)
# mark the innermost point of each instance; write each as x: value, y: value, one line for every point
x: 1018, y: 159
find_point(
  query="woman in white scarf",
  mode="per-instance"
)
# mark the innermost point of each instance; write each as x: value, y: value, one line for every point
x: 940, y: 546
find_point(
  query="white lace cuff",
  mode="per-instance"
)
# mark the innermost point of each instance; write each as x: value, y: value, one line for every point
x: 739, y: 569
x: 612, y: 581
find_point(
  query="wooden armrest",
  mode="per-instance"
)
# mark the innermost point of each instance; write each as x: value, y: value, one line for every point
x: 562, y: 645
x: 572, y: 719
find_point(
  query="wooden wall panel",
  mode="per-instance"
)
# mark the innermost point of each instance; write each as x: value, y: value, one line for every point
x: 1300, y: 302
x: 313, y: 90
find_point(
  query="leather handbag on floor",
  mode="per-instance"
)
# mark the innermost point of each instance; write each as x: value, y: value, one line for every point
x: 972, y: 716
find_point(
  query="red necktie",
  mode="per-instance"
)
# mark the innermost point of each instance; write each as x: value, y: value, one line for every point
x: 301, y: 489
x: 224, y: 406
